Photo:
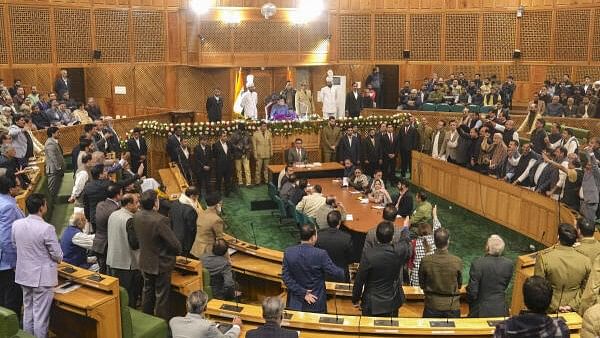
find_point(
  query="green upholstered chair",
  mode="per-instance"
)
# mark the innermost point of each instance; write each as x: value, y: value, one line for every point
x: 136, y: 324
x: 457, y: 108
x: 474, y: 108
x: 9, y: 325
x: 444, y: 107
x: 428, y: 106
x: 486, y: 109
x: 206, y: 283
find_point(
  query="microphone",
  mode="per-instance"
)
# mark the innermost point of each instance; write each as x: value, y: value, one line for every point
x: 560, y: 300
x: 337, y: 320
x: 253, y: 236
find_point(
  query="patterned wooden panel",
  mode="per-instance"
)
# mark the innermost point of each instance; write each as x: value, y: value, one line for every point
x: 27, y: 76
x: 150, y: 86
x: 216, y: 35
x: 149, y: 33
x: 461, y: 37
x: 425, y: 36
x: 571, y: 35
x: 73, y: 35
x: 442, y: 70
x: 519, y: 72
x: 45, y: 79
x: 195, y: 85
x: 30, y: 25
x: 557, y: 71
x: 591, y: 71
x: 489, y: 70
x: 389, y: 36
x: 282, y: 36
x: 501, y: 44
x: 112, y: 35
x: 355, y: 37
x: 98, y: 82
x: 469, y: 71
x: 251, y: 36
x: 3, y: 49
x: 535, y: 35
x: 313, y: 37
x: 596, y: 38
x: 123, y: 76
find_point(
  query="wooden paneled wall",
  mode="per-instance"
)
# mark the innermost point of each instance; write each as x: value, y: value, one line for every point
x: 168, y: 57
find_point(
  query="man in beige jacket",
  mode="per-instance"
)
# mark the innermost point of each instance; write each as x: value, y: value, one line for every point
x: 262, y: 143
x: 210, y: 226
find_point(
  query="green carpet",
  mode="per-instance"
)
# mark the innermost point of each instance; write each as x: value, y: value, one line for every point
x: 468, y: 231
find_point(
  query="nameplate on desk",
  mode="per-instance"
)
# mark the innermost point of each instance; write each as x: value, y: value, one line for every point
x: 68, y: 269
x: 386, y: 322
x: 287, y: 316
x: 183, y: 261
x: 231, y: 308
x: 493, y: 323
x: 95, y: 278
x: 331, y: 320
x: 342, y: 287
x: 440, y: 323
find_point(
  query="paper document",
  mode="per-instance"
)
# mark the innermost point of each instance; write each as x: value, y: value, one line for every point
x: 349, y: 217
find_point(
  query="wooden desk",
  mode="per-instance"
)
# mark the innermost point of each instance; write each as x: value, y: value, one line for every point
x: 309, y: 326
x: 326, y: 169
x: 365, y: 216
x: 185, y: 279
x: 93, y: 310
x: 173, y: 181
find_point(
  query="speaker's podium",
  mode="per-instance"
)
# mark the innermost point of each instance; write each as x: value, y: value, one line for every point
x: 87, y: 306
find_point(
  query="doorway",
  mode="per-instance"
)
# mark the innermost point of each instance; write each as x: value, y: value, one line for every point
x: 391, y: 87
x: 77, y: 78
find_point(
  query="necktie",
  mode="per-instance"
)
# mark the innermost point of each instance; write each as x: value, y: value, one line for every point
x: 391, y: 139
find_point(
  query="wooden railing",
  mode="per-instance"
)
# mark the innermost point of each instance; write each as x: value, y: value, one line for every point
x: 528, y: 213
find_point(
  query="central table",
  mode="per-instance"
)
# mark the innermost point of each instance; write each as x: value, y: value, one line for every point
x: 327, y: 169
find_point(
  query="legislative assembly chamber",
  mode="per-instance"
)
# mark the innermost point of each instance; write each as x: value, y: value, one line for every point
x: 299, y: 168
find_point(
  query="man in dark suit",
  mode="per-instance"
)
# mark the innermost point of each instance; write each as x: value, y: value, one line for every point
x: 138, y: 150
x: 389, y: 150
x: 349, y: 147
x: 371, y: 152
x: 337, y: 243
x: 488, y: 280
x: 380, y: 273
x: 543, y: 177
x: 103, y: 211
x: 409, y: 141
x: 173, y: 144
x: 62, y: 84
x: 201, y: 164
x: 303, y: 272
x: 297, y: 153
x: 93, y: 109
x: 158, y: 248
x: 183, y: 214
x: 353, y: 102
x: 214, y: 106
x: 404, y: 203
x: 272, y: 312
x: 223, y: 154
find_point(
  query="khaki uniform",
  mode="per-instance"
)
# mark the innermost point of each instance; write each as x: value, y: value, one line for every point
x: 329, y: 137
x: 591, y: 323
x: 591, y: 294
x: 567, y: 271
x: 209, y: 229
x: 589, y: 246
x: 440, y: 277
x: 304, y: 103
x: 425, y: 134
x: 263, y: 151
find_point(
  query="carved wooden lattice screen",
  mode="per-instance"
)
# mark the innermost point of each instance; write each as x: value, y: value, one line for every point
x: 30, y: 30
x: 490, y: 70
x: 150, y: 86
x: 112, y: 35
x: 469, y: 71
x: 264, y: 87
x: 389, y: 36
x: 571, y: 35
x: 519, y: 72
x: 73, y: 35
x: 123, y: 76
x: 596, y: 38
x: 216, y: 36
x: 26, y: 75
x: 442, y: 71
x: 281, y: 36
x: 3, y: 49
x: 193, y: 37
x: 498, y: 36
x: 425, y: 36
x: 149, y: 33
x: 251, y: 37
x: 313, y: 37
x: 461, y: 37
x: 535, y: 35
x: 582, y: 72
x: 355, y: 37
x: 557, y: 71
x: 98, y: 82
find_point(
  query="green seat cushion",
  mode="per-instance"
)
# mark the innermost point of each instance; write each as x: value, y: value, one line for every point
x: 147, y: 326
x: 457, y: 108
x: 428, y: 107
x: 474, y: 108
x: 444, y: 107
x: 580, y: 133
x: 9, y: 325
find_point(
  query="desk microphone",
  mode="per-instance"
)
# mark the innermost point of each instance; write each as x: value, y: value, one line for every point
x: 253, y: 235
x: 335, y: 305
x: 560, y: 301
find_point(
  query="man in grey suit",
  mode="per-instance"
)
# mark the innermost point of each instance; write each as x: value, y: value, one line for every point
x: 21, y: 140
x: 219, y: 267
x: 38, y: 255
x: 193, y: 325
x: 103, y: 211
x: 297, y: 154
x: 489, y: 278
x: 55, y: 162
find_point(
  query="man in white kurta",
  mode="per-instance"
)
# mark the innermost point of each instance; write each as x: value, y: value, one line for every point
x: 328, y: 96
x: 249, y: 102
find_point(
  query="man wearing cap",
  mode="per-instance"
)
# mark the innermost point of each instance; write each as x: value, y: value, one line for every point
x: 249, y: 101
x: 328, y: 96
